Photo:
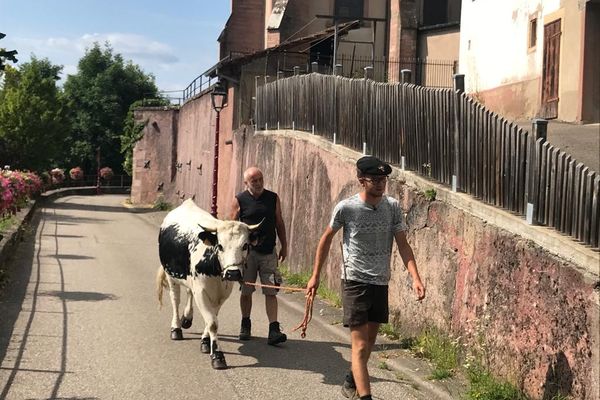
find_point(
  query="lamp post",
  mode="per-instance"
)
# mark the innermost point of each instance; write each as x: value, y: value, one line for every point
x: 98, y: 170
x: 219, y: 101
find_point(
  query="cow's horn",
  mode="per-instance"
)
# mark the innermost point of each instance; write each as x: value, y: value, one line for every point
x: 209, y: 226
x: 256, y: 226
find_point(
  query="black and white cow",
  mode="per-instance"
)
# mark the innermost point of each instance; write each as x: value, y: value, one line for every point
x: 205, y: 256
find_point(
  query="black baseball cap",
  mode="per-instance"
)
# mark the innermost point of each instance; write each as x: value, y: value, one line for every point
x: 370, y: 165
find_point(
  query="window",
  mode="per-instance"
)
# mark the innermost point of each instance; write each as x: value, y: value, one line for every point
x: 437, y: 12
x: 349, y: 8
x: 532, y: 33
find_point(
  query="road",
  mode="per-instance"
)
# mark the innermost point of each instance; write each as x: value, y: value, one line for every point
x: 80, y: 320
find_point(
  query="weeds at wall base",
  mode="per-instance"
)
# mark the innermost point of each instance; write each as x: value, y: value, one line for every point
x: 301, y: 280
x: 444, y: 353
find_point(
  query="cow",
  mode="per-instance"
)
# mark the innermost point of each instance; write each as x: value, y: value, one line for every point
x: 206, y: 256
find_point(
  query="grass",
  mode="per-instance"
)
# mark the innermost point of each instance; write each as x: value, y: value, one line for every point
x: 7, y: 222
x: 389, y: 331
x: 430, y: 194
x: 484, y: 386
x: 300, y: 279
x: 384, y: 365
x: 433, y: 345
x: 161, y: 205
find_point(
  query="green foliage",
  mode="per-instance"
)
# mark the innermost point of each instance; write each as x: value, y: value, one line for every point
x: 7, y: 222
x: 161, y: 205
x: 33, y: 122
x: 483, y: 386
x: 389, y: 331
x: 133, y: 131
x: 440, y: 349
x: 99, y: 97
x: 430, y: 194
x: 6, y: 55
x: 384, y: 365
x: 301, y: 280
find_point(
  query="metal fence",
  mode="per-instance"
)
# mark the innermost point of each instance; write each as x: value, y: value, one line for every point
x: 425, y: 72
x: 444, y: 135
x: 92, y: 180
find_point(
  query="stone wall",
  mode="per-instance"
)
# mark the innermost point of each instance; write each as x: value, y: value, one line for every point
x: 174, y: 160
x: 534, y: 314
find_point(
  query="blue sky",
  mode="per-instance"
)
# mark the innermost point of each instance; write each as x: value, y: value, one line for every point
x: 174, y: 40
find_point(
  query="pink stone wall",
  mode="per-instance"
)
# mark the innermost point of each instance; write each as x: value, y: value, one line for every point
x: 153, y: 161
x: 536, y: 315
x: 182, y: 155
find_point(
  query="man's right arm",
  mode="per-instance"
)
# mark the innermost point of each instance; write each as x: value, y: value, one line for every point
x: 234, y: 215
x: 320, y: 257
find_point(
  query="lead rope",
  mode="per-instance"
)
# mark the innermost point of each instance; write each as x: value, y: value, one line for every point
x: 308, y: 307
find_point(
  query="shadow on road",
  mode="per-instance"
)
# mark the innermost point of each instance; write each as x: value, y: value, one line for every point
x: 79, y: 296
x: 25, y: 270
x: 323, y: 358
x: 96, y: 208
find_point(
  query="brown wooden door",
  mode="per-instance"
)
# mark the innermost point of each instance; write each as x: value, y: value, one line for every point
x: 552, y: 34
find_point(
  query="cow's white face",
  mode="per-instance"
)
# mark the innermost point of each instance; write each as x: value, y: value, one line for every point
x: 233, y: 245
x: 231, y: 241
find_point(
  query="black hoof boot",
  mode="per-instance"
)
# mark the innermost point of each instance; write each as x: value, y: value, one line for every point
x: 217, y: 360
x: 186, y: 323
x: 246, y: 329
x: 205, y: 345
x: 176, y: 334
x: 275, y: 334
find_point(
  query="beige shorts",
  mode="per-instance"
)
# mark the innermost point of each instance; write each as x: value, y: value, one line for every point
x: 265, y: 266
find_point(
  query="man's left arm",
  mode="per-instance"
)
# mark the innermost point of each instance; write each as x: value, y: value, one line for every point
x: 280, y: 227
x: 409, y: 260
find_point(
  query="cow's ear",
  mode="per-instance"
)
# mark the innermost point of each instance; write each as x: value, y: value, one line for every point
x: 255, y: 238
x: 208, y: 238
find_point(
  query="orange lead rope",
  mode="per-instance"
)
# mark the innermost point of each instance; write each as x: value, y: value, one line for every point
x: 310, y: 298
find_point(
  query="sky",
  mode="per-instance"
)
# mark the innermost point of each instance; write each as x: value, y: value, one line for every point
x: 175, y: 41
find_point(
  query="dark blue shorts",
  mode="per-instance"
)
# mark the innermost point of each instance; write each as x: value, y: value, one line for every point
x: 364, y: 303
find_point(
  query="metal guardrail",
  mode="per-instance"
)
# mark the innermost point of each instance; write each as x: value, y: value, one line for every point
x: 92, y: 180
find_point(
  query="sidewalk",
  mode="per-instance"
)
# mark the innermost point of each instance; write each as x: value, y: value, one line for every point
x: 580, y: 141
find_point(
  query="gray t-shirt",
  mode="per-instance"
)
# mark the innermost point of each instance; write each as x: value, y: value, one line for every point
x: 368, y: 237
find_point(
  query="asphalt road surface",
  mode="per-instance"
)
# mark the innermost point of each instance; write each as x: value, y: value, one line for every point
x: 80, y: 320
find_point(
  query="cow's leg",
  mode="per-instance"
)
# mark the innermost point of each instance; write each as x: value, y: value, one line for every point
x: 188, y: 312
x: 205, y: 341
x: 209, y: 314
x: 174, y: 293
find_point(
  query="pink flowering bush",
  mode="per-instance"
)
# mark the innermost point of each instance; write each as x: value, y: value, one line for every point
x: 76, y: 173
x: 106, y: 173
x: 57, y: 175
x: 16, y: 188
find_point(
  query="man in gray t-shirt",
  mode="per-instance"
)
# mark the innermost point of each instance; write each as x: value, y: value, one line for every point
x: 371, y: 222
x: 368, y: 236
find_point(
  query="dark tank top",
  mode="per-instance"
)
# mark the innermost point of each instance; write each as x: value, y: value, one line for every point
x: 253, y: 210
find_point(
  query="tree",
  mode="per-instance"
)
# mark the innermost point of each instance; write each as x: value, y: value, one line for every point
x: 32, y: 118
x: 99, y: 97
x: 6, y: 55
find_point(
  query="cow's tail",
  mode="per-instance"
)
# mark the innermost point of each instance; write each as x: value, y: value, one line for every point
x: 161, y: 283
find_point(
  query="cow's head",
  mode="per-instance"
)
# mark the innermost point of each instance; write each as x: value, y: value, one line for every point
x: 232, y: 241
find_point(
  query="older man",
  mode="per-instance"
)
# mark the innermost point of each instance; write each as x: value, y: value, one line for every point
x: 255, y: 204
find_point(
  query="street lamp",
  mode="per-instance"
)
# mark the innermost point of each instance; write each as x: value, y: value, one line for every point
x: 218, y: 97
